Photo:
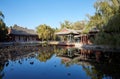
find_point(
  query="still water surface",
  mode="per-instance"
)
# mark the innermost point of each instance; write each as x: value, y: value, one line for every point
x: 36, y: 62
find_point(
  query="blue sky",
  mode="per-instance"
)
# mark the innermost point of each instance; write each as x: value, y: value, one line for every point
x: 31, y: 13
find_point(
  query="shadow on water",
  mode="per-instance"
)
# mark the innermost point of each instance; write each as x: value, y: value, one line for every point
x: 96, y: 64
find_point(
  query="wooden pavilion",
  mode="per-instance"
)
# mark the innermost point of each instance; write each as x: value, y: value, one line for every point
x: 85, y: 38
x: 76, y: 36
x: 69, y: 33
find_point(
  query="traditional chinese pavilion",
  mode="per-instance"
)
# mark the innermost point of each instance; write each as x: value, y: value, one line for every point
x: 77, y: 36
x: 69, y: 33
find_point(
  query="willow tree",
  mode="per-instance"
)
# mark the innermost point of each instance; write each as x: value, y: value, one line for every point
x: 3, y: 29
x: 105, y: 9
x: 111, y: 34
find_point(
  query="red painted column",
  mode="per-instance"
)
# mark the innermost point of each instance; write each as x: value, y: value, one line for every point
x: 82, y: 39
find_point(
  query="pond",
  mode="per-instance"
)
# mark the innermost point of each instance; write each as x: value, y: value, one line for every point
x: 55, y: 62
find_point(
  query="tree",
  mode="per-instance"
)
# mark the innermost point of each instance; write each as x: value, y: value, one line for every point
x: 105, y: 9
x: 66, y: 24
x: 107, y: 20
x: 111, y: 34
x: 79, y: 25
x: 1, y: 15
x: 3, y: 29
x: 45, y: 32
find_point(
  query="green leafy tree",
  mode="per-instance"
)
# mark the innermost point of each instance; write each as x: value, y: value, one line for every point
x: 79, y: 25
x: 105, y: 9
x: 107, y: 20
x: 45, y: 32
x: 66, y: 24
x: 1, y: 15
x: 3, y: 29
x: 111, y: 34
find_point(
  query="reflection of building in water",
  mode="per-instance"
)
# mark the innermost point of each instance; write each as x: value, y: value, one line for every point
x: 96, y: 64
x: 70, y: 52
x: 14, y: 53
x: 85, y: 55
x: 80, y: 54
x: 17, y: 52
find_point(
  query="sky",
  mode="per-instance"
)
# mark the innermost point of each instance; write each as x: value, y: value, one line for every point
x: 32, y: 13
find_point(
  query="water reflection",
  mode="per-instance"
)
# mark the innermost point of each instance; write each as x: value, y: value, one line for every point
x: 96, y: 64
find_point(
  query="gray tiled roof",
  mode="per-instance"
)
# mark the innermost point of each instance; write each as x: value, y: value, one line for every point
x: 66, y: 31
x: 17, y: 30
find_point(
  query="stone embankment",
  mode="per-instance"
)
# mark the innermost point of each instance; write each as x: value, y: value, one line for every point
x: 101, y: 48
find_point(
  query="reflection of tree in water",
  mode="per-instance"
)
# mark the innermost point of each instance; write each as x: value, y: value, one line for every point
x: 3, y: 62
x: 1, y: 71
x: 45, y: 54
x: 98, y: 71
x: 60, y: 50
x: 92, y: 72
x: 14, y: 53
x: 96, y: 64
x: 107, y: 65
x: 2, y: 65
x: 68, y: 62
